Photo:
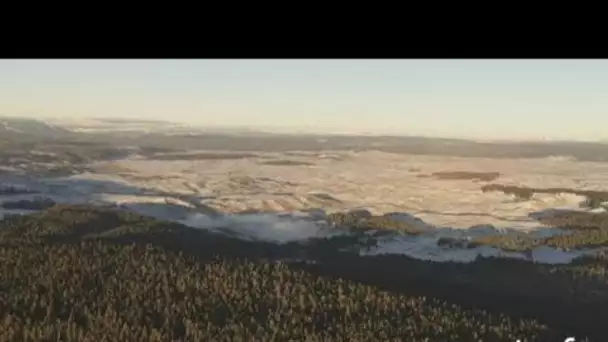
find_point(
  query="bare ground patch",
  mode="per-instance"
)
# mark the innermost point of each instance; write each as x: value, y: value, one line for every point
x: 574, y: 220
x: 286, y: 162
x: 324, y: 197
x: 466, y: 175
x: 203, y: 156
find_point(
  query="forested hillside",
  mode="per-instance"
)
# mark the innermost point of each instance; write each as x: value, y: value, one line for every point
x: 90, y: 274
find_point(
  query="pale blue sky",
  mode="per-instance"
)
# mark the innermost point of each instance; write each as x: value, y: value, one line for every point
x: 528, y: 99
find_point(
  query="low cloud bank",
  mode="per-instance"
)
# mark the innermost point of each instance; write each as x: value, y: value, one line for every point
x: 265, y: 227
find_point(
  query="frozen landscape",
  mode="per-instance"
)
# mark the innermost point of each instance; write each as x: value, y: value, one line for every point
x: 303, y: 200
x: 286, y: 196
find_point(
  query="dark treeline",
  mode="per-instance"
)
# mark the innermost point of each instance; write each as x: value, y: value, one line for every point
x: 85, y: 274
x: 594, y: 198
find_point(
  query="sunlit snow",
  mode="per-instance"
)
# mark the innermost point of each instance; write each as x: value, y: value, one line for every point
x: 190, y: 191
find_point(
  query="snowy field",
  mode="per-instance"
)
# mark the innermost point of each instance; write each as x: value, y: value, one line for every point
x: 227, y: 193
x: 380, y: 182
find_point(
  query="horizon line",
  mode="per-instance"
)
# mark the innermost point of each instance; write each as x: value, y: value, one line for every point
x: 295, y: 130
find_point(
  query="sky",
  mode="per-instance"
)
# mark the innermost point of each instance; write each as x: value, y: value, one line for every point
x: 481, y: 99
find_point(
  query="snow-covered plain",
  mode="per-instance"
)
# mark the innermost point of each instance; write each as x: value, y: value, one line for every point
x: 213, y: 193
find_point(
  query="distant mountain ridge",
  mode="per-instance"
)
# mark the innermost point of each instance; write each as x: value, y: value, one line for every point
x: 26, y: 126
x: 159, y: 134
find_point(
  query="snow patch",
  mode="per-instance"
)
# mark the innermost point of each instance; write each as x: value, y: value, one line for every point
x: 426, y: 248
